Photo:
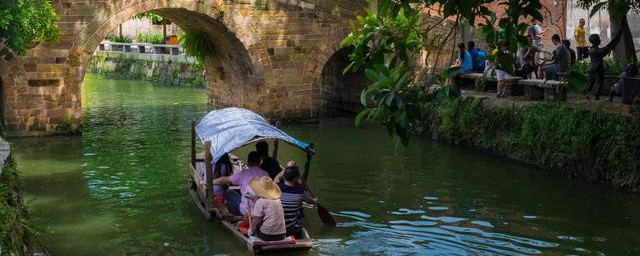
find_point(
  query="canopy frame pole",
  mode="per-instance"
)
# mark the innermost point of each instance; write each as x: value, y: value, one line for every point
x: 208, y: 168
x: 307, y: 166
x: 193, y: 143
x: 275, y: 149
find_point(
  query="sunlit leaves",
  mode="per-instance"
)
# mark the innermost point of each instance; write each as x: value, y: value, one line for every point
x: 23, y: 21
x: 197, y: 44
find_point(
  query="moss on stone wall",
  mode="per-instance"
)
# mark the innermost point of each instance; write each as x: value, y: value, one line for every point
x: 592, y: 144
x: 160, y: 70
x: 15, y: 227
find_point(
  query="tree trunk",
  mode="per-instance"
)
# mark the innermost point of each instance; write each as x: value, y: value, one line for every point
x: 625, y: 51
x: 164, y: 31
x: 120, y: 30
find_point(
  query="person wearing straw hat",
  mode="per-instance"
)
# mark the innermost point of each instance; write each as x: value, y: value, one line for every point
x: 267, y: 215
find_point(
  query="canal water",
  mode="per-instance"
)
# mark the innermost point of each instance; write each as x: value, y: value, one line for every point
x: 120, y: 189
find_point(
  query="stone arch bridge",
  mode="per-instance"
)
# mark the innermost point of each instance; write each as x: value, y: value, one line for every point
x: 270, y: 56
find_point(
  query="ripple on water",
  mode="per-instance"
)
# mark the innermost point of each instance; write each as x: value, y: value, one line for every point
x: 405, y: 211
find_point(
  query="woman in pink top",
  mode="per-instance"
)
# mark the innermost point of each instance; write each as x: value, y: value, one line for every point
x: 242, y: 179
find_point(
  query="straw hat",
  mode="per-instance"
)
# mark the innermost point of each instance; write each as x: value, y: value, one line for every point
x: 264, y: 187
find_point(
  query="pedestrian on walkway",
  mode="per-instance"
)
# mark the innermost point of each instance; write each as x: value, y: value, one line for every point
x: 581, y: 43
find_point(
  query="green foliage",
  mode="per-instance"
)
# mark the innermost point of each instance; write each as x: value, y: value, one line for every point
x: 119, y: 39
x: 612, y: 68
x: 387, y: 40
x: 24, y: 21
x: 197, y: 44
x: 155, y: 18
x: 617, y: 8
x: 595, y: 143
x: 66, y: 126
x: 15, y: 226
x: 152, y: 38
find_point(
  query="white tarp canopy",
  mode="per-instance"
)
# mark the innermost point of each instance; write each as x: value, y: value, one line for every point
x: 231, y: 128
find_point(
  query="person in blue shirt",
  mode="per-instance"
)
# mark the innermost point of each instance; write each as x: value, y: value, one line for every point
x: 477, y: 57
x: 464, y: 63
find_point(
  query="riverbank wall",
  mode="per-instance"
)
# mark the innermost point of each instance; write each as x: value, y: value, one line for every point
x: 592, y: 144
x: 178, y: 70
x: 15, y: 227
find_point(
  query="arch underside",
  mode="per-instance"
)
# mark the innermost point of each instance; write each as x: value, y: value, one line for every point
x: 341, y: 92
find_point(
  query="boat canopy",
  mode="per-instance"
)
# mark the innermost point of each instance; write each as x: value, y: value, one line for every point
x: 231, y: 128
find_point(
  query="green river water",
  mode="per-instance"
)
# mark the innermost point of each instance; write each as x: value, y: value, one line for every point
x: 120, y: 189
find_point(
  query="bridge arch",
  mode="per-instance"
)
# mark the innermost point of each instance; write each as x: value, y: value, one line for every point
x: 334, y: 93
x: 235, y: 71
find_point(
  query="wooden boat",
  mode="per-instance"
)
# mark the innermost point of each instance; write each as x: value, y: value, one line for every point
x: 222, y: 131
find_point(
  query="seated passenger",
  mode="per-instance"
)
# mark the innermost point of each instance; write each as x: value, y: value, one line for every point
x: 267, y: 217
x: 237, y: 204
x: 269, y: 164
x: 222, y: 168
x: 292, y: 197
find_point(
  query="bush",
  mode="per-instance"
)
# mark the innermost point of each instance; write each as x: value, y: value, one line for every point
x: 119, y: 39
x: 15, y: 227
x: 611, y: 68
x: 197, y: 44
x: 593, y: 144
x: 152, y: 38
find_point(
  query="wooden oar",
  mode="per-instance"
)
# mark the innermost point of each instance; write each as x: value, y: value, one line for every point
x: 323, y: 213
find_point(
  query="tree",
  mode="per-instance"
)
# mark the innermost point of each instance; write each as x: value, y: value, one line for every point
x: 155, y: 19
x: 24, y: 21
x: 618, y: 9
x: 386, y: 41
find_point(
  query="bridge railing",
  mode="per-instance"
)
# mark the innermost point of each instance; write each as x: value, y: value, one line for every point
x: 170, y: 49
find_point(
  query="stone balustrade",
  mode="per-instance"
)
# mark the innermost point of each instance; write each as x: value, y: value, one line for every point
x: 169, y: 49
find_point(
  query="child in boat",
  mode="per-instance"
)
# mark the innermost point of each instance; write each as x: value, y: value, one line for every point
x: 267, y: 216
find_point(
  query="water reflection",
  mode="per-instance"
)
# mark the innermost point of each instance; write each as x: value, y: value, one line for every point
x: 120, y: 189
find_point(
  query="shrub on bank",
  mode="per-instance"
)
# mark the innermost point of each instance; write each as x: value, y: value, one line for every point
x: 15, y: 227
x: 152, y: 38
x: 119, y: 39
x: 592, y: 144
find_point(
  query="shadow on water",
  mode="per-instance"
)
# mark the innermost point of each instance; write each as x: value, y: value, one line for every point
x: 120, y: 189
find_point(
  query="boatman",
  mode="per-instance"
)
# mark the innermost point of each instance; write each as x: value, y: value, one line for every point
x: 237, y: 204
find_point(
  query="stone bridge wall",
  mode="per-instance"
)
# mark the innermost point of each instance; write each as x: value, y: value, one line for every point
x: 269, y: 55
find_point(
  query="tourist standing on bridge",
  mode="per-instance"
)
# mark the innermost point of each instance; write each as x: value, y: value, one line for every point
x: 581, y: 43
